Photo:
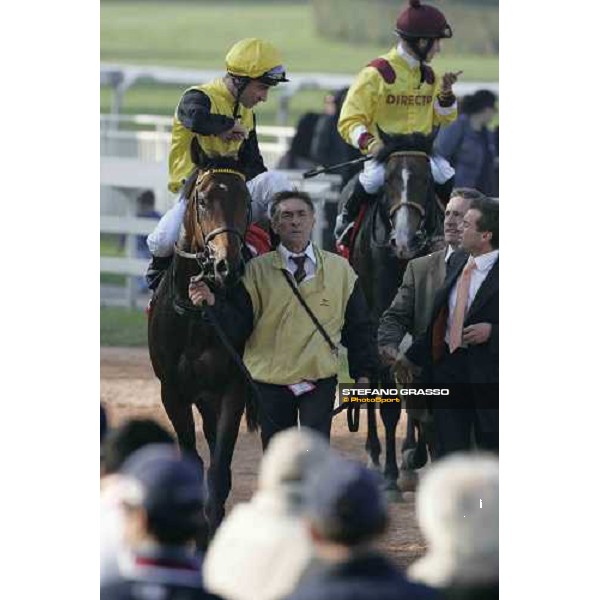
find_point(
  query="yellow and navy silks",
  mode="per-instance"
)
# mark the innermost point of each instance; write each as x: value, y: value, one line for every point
x: 389, y: 94
x: 285, y: 347
x: 203, y: 113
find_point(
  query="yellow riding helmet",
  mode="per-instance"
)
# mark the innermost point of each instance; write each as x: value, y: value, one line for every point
x: 255, y: 59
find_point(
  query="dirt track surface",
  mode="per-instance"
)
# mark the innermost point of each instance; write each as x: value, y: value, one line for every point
x: 128, y: 388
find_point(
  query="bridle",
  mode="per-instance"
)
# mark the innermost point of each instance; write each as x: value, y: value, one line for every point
x: 420, y: 234
x: 205, y: 257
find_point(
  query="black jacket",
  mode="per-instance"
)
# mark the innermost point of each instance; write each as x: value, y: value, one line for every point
x: 159, y: 572
x: 483, y: 359
x: 370, y: 577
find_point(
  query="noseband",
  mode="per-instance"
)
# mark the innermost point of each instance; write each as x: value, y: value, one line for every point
x: 205, y: 257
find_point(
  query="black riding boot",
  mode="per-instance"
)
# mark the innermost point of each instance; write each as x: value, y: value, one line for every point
x: 156, y: 269
x: 350, y: 211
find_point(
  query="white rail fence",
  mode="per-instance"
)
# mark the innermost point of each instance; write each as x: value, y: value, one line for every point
x: 134, y: 151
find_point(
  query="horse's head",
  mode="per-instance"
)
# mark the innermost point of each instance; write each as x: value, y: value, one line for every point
x: 215, y: 223
x: 408, y: 191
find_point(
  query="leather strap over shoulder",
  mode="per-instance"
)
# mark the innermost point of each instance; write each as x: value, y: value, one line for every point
x: 385, y: 69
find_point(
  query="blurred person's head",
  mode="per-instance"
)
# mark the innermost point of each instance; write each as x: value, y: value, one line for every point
x: 132, y: 435
x: 334, y: 101
x: 346, y: 509
x: 459, y: 203
x: 481, y: 227
x: 163, y: 497
x: 292, y: 456
x: 480, y: 107
x: 457, y: 509
x: 329, y: 107
x: 420, y: 28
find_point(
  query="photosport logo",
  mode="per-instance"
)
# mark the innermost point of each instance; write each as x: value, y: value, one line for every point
x: 451, y: 396
x: 353, y: 395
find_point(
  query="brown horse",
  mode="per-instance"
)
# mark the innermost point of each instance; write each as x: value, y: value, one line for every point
x: 187, y: 355
x: 406, y: 222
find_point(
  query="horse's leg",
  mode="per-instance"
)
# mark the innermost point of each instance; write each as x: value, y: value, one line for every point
x: 390, y: 415
x: 209, y: 424
x: 413, y: 450
x: 372, y: 445
x: 180, y: 414
x: 410, y: 441
x: 219, y: 472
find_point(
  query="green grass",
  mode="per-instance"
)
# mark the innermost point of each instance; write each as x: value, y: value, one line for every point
x: 110, y: 245
x: 197, y: 35
x: 123, y: 327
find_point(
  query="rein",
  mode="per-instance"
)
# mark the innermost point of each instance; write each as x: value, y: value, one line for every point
x: 422, y: 210
x: 205, y: 256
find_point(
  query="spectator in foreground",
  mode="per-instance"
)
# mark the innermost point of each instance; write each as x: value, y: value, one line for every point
x: 264, y: 542
x: 120, y: 443
x: 346, y: 513
x: 163, y: 501
x: 457, y: 510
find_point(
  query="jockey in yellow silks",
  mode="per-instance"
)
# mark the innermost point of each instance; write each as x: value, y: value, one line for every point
x: 398, y: 93
x: 216, y: 120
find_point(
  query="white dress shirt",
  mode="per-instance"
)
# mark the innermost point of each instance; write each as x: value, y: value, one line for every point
x: 483, y: 265
x: 310, y: 264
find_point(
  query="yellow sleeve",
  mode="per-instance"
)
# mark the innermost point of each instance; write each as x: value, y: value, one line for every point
x: 360, y: 106
x: 442, y: 115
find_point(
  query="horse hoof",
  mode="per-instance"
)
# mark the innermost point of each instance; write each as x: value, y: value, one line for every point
x: 373, y: 465
x: 413, y: 460
x: 393, y: 494
x: 409, y: 480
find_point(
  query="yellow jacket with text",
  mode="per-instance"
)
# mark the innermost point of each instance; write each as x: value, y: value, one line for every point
x: 388, y: 94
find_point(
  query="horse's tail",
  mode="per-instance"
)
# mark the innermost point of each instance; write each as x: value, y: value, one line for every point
x: 251, y: 411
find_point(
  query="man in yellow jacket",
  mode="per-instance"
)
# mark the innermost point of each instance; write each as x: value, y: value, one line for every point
x: 216, y: 120
x: 292, y: 362
x: 398, y: 93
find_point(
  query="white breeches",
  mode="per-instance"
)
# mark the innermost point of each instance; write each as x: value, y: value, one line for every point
x: 372, y: 176
x: 262, y: 188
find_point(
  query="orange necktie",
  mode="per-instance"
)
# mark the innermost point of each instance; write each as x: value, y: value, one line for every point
x: 462, y: 295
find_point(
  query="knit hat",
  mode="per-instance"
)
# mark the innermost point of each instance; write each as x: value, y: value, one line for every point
x: 345, y: 503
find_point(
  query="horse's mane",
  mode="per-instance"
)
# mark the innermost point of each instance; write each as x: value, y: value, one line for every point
x: 411, y: 142
x: 205, y: 163
x: 220, y: 162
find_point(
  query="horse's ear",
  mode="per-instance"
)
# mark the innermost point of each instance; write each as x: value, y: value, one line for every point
x: 190, y: 183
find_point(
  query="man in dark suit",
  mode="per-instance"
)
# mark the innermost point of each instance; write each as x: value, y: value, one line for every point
x: 461, y: 342
x: 410, y: 311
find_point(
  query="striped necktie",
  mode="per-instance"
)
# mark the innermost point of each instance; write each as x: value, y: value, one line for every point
x: 300, y: 272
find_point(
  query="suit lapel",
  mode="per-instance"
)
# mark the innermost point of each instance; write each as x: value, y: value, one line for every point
x: 488, y: 287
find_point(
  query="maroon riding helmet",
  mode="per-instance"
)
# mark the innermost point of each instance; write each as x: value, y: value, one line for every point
x: 418, y: 21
